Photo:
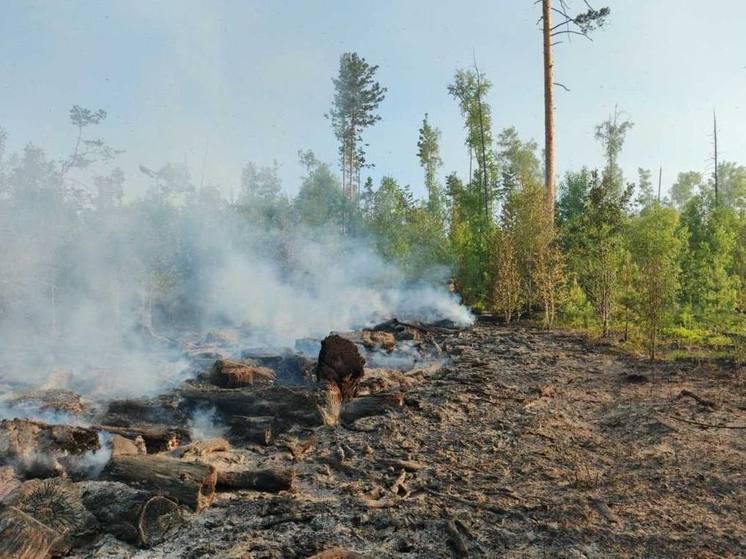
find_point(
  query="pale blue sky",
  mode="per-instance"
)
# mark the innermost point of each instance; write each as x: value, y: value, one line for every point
x: 251, y: 80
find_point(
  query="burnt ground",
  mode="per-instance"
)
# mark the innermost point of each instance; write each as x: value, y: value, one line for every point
x: 526, y: 444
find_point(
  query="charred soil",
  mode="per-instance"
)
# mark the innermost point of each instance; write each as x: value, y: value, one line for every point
x: 523, y: 444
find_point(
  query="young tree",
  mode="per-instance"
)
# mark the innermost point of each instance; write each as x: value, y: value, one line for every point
x: 685, y: 188
x: 506, y: 285
x: 320, y: 203
x: 645, y: 195
x: 87, y: 151
x: 260, y: 184
x: 599, y: 247
x: 428, y: 151
x: 517, y: 161
x: 470, y: 89
x: 655, y: 245
x: 357, y: 96
x: 579, y: 24
x: 709, y: 284
x: 611, y: 133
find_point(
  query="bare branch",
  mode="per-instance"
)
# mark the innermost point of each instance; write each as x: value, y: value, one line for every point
x: 571, y: 32
x: 563, y: 86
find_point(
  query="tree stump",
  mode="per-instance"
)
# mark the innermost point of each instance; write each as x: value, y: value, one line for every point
x: 340, y: 363
x: 132, y: 515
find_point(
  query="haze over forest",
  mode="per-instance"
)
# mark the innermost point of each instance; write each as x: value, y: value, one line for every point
x: 239, y: 81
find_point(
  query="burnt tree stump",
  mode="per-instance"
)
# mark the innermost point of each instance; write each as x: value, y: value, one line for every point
x: 340, y: 363
x: 24, y: 537
x: 132, y: 515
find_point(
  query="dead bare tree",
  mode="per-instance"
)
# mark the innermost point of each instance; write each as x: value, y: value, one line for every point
x: 580, y: 24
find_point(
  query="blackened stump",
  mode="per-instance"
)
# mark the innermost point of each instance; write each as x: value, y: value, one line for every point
x: 340, y: 363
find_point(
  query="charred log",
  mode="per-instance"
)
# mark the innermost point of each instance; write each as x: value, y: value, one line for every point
x: 132, y: 515
x: 306, y: 406
x: 162, y: 410
x: 122, y: 446
x: 23, y: 537
x: 189, y: 483
x: 235, y: 374
x: 56, y: 504
x: 257, y: 430
x: 39, y: 450
x: 269, y: 480
x: 340, y: 363
x: 157, y: 438
x: 52, y: 399
x: 378, y: 340
x: 291, y: 368
x: 200, y: 449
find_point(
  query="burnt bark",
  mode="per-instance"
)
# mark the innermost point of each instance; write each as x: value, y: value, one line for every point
x: 258, y: 430
x: 270, y: 480
x: 306, y: 406
x: 157, y: 438
x: 23, y: 537
x: 189, y: 483
x: 235, y: 374
x: 132, y: 515
x: 39, y: 449
x: 340, y: 363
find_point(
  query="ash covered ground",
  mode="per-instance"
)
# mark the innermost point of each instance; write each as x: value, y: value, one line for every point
x: 506, y: 442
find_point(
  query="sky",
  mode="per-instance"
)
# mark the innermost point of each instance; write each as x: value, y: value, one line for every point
x: 218, y: 83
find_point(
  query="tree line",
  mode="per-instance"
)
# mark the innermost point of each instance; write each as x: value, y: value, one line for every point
x: 615, y: 255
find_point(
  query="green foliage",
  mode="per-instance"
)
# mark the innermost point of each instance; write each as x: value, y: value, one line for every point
x: 517, y: 161
x: 428, y: 151
x: 357, y: 96
x: 685, y: 188
x: 611, y: 133
x: 320, y: 202
x: 655, y: 244
x: 710, y: 286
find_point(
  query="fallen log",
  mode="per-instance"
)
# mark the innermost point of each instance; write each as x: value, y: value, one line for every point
x: 51, y: 399
x: 157, y: 438
x: 23, y: 537
x: 307, y: 406
x: 291, y: 368
x: 163, y: 410
x: 374, y: 404
x: 235, y: 374
x: 132, y: 515
x: 122, y: 446
x: 270, y: 480
x: 200, y: 449
x: 258, y: 430
x: 378, y: 340
x: 39, y: 449
x: 340, y: 363
x: 189, y: 483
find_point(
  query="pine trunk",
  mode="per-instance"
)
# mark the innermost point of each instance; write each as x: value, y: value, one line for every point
x: 548, y: 106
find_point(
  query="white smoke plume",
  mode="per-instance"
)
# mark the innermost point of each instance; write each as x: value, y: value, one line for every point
x: 102, y: 296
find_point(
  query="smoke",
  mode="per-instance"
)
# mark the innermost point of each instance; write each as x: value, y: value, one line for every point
x: 102, y: 296
x: 205, y: 424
